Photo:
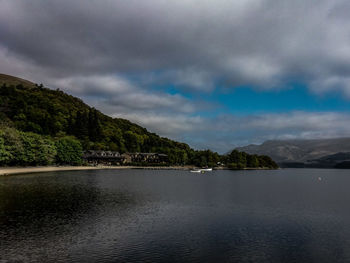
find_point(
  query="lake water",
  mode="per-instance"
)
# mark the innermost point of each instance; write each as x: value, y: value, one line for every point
x: 292, y: 215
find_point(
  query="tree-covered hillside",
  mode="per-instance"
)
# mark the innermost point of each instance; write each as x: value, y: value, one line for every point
x: 52, y: 112
x: 32, y: 117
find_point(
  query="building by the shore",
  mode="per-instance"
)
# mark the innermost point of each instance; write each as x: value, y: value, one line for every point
x: 145, y: 158
x: 115, y: 158
x: 103, y: 157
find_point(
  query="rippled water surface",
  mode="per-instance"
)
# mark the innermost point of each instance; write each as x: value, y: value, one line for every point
x: 292, y: 215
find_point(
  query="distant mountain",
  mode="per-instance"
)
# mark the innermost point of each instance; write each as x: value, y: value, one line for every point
x: 338, y: 160
x: 297, y: 153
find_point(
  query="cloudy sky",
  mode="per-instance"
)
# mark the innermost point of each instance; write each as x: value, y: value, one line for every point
x: 215, y: 74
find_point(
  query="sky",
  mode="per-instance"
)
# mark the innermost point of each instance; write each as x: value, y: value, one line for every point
x: 214, y: 74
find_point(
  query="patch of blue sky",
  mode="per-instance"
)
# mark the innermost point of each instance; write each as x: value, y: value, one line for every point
x: 246, y: 100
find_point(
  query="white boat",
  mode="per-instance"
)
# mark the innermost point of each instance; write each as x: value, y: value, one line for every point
x: 202, y: 170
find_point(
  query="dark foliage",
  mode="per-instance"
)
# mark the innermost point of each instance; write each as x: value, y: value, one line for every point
x: 239, y: 160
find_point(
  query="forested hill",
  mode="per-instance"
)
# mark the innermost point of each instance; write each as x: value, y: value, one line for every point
x: 43, y: 126
x: 33, y: 108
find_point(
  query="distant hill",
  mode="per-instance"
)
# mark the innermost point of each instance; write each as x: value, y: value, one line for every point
x: 11, y: 80
x: 33, y: 108
x: 338, y: 160
x: 295, y: 153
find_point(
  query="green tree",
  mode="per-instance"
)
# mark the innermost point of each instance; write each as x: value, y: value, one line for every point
x: 94, y: 125
x: 5, y: 154
x: 37, y: 150
x: 69, y: 151
x: 11, y: 145
x: 184, y: 157
x: 252, y: 161
x: 132, y: 141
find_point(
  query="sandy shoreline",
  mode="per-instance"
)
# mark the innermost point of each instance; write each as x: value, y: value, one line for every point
x: 4, y: 171
x: 23, y: 170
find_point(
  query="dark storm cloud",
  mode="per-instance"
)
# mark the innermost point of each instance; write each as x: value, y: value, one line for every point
x: 262, y: 43
x: 95, y: 36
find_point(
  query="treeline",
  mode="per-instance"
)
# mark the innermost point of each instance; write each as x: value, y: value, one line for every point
x: 18, y: 148
x: 31, y: 149
x: 50, y: 126
x: 233, y: 160
x: 240, y: 160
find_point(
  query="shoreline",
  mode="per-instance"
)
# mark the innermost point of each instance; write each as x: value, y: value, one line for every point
x: 6, y: 171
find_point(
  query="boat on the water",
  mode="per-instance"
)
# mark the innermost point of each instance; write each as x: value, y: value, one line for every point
x: 202, y: 170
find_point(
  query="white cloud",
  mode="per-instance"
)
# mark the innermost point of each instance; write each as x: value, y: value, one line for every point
x: 114, y: 93
x: 95, y: 84
x: 167, y: 125
x: 332, y: 84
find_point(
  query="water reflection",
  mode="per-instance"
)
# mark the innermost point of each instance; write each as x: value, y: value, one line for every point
x: 49, y: 198
x: 47, y: 211
x: 174, y: 216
